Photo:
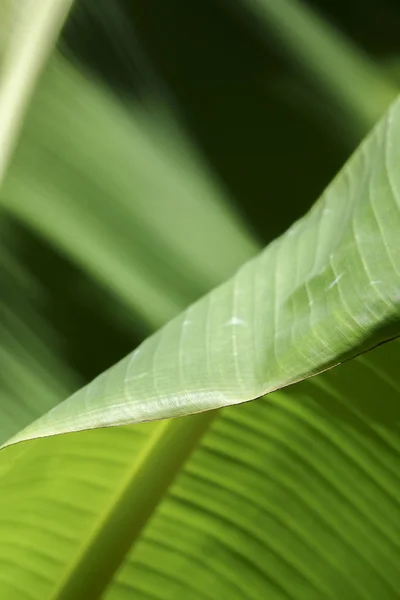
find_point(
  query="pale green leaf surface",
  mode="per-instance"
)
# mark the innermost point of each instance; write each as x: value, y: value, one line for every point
x: 295, y: 496
x: 28, y: 31
x: 87, y: 204
x: 325, y: 291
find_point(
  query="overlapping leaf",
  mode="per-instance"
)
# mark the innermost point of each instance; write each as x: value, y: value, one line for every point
x: 293, y: 496
x: 325, y: 291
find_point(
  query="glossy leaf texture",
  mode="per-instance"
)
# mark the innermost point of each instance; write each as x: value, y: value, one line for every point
x: 322, y: 293
x: 294, y: 496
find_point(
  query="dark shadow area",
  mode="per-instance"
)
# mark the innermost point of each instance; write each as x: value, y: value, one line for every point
x: 363, y: 392
x: 221, y: 82
x: 79, y: 309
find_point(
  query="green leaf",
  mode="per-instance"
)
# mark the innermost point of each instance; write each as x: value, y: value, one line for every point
x: 27, y: 35
x: 293, y: 496
x: 325, y: 291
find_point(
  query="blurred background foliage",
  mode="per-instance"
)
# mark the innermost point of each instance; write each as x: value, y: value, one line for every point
x: 206, y: 87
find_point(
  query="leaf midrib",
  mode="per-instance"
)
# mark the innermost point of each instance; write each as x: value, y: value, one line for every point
x: 121, y: 522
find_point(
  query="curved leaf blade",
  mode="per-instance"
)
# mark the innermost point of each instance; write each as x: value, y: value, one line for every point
x: 293, y: 496
x: 325, y: 291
